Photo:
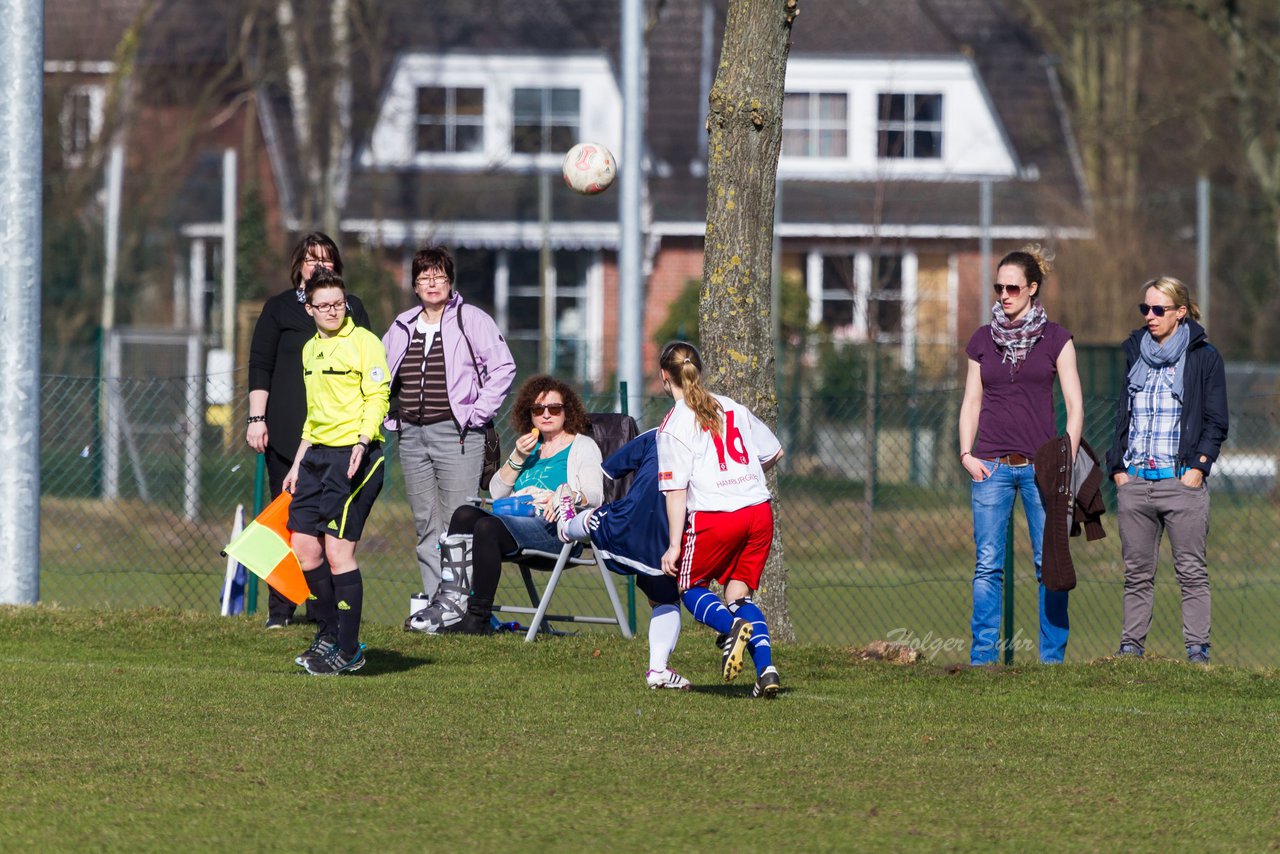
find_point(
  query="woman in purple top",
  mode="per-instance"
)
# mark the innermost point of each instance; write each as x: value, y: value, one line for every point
x: 1006, y: 416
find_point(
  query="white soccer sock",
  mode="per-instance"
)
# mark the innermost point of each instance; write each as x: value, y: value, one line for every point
x: 664, y: 631
x: 576, y: 529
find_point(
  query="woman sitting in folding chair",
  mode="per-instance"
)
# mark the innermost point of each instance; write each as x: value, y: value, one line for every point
x: 554, y: 463
x: 631, y: 535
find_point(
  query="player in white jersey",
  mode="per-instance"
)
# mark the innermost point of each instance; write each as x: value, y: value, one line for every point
x: 712, y: 457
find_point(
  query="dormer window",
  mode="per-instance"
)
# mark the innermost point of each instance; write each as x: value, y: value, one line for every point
x: 545, y: 120
x: 450, y: 119
x: 469, y: 112
x: 909, y: 126
x: 877, y: 119
x: 815, y: 124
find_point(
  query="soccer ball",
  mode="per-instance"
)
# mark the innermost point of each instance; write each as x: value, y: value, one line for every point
x: 589, y: 168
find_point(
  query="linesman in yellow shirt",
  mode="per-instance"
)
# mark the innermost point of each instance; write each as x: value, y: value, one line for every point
x: 338, y: 471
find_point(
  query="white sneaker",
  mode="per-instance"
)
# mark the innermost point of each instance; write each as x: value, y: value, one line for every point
x: 564, y: 511
x: 667, y: 679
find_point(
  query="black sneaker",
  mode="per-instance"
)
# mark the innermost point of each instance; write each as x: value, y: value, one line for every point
x: 277, y: 622
x: 733, y: 649
x: 470, y: 624
x: 320, y: 647
x: 767, y: 684
x: 336, y: 662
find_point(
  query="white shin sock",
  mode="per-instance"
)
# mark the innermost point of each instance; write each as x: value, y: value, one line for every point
x: 664, y: 631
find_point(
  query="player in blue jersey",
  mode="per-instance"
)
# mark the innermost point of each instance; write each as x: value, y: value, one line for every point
x: 631, y: 535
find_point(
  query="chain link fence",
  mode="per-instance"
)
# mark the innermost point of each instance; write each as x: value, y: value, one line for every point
x: 140, y: 488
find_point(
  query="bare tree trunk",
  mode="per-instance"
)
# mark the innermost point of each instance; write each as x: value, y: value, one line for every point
x: 1102, y: 64
x: 1254, y: 93
x: 745, y: 127
x: 335, y: 191
x: 299, y: 85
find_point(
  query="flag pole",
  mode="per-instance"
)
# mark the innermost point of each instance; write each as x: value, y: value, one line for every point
x: 259, y: 484
x: 229, y: 578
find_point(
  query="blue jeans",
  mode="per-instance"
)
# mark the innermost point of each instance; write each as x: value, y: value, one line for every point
x: 533, y: 532
x: 992, y: 510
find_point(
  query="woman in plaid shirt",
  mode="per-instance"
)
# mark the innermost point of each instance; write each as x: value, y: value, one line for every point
x: 1171, y: 421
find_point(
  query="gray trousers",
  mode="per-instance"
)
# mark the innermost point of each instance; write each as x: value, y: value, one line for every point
x: 1148, y: 508
x: 440, y: 474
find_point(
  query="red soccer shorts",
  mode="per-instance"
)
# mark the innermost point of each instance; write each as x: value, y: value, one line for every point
x: 730, y: 545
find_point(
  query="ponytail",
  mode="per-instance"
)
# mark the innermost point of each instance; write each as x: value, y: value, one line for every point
x: 1035, y: 262
x: 683, y: 365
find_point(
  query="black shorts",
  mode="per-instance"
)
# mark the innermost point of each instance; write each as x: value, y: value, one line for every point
x: 326, y: 503
x: 661, y: 589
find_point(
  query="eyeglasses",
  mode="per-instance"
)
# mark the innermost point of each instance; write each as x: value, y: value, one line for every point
x: 1157, y: 310
x: 319, y: 262
x: 553, y: 408
x: 427, y: 280
x: 1011, y: 290
x: 327, y: 307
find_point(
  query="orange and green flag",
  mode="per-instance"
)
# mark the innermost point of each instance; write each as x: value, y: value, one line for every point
x: 263, y: 548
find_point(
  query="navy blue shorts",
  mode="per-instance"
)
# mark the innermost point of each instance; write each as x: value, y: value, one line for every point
x: 326, y: 503
x: 661, y: 589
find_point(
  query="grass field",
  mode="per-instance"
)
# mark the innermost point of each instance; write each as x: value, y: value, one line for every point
x: 156, y: 730
x: 911, y: 574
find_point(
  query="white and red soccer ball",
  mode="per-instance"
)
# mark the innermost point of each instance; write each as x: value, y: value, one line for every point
x: 589, y: 168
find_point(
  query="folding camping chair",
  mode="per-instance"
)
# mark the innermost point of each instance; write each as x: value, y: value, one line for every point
x: 610, y: 431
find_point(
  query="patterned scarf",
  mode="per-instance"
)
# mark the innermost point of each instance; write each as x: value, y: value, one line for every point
x: 1015, y: 339
x: 1174, y: 352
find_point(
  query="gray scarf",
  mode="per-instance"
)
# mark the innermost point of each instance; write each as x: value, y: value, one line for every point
x: 1152, y: 355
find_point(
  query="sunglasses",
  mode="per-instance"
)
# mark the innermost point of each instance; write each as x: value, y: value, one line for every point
x: 1011, y: 290
x: 553, y: 408
x: 1157, y: 310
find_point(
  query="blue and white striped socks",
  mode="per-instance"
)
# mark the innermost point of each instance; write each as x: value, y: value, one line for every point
x: 707, y: 609
x: 759, y: 646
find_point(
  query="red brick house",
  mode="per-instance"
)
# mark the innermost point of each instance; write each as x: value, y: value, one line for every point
x: 897, y: 115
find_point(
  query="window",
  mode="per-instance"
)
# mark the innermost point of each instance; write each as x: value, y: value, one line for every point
x: 839, y: 311
x: 81, y: 120
x: 886, y: 298
x: 475, y: 275
x: 855, y: 296
x: 450, y: 119
x: 503, y: 111
x: 909, y: 126
x: 570, y: 287
x: 815, y: 124
x: 545, y: 120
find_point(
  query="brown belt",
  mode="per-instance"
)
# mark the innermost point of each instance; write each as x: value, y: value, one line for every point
x: 1015, y: 460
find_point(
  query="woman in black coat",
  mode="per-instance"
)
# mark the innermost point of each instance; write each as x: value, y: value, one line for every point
x: 1170, y: 424
x: 277, y: 398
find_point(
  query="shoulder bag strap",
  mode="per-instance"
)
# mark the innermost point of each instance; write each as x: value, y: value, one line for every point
x: 474, y: 364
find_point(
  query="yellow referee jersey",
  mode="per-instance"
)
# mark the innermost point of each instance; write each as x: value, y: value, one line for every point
x: 348, y: 386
